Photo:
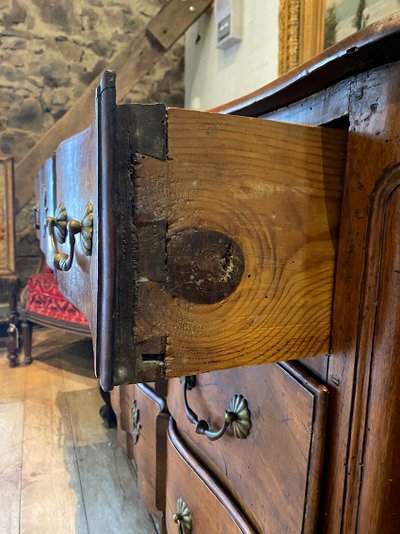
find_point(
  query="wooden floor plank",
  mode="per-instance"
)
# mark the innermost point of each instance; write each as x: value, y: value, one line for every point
x: 112, y: 500
x: 12, y: 381
x: 61, y: 471
x: 51, y: 497
x: 11, y: 433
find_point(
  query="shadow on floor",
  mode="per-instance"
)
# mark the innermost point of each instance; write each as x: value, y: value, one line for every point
x: 102, y: 478
x: 58, y: 351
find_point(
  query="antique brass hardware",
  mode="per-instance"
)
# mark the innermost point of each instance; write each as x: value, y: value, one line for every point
x: 136, y: 422
x: 59, y: 229
x: 237, y: 417
x: 182, y: 517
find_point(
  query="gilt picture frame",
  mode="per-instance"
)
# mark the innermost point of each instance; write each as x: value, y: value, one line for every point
x: 7, y: 226
x: 301, y: 32
x: 306, y: 27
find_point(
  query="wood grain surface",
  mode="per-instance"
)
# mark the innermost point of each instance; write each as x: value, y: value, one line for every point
x: 275, y: 190
x: 380, y: 336
x: 11, y: 431
x: 279, y: 466
x: 210, y: 507
x: 60, y: 469
x: 146, y: 442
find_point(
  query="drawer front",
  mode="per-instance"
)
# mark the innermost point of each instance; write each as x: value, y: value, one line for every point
x: 275, y: 473
x: 144, y: 419
x: 122, y: 435
x: 75, y: 189
x: 116, y: 403
x: 209, y: 507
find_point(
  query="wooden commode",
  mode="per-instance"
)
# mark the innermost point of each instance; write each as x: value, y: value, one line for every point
x: 202, y: 247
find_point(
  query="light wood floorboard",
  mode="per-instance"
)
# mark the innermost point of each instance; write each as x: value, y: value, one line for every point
x: 61, y: 470
x: 11, y: 428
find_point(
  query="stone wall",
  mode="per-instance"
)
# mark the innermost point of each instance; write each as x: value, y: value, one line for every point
x: 50, y: 50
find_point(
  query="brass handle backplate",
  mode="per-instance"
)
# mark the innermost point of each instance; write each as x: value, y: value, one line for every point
x: 182, y: 517
x: 237, y: 416
x: 59, y: 229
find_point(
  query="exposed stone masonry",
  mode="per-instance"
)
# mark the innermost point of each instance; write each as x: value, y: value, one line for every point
x: 50, y: 50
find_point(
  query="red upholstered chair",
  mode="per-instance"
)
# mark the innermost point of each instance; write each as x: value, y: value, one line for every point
x: 45, y: 305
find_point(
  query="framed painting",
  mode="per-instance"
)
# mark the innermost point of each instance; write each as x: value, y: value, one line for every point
x: 7, y: 229
x: 306, y: 27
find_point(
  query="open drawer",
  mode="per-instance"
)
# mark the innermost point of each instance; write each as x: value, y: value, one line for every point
x: 196, y: 241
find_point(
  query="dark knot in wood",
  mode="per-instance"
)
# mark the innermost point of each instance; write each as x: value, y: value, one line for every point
x: 203, y: 266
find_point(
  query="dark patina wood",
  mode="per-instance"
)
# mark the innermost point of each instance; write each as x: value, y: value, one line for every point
x: 144, y: 418
x: 375, y: 45
x: 347, y: 89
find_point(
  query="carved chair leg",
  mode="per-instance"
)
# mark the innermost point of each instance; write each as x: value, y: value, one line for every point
x: 12, y: 344
x: 27, y: 340
x: 13, y: 341
x: 106, y: 411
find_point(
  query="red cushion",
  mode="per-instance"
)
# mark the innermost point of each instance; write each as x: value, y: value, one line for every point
x: 44, y: 297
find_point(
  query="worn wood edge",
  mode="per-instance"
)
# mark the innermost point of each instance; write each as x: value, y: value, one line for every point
x: 106, y: 256
x: 320, y: 395
x: 161, y: 460
x: 146, y: 135
x: 197, y: 467
x: 376, y: 44
x: 378, y: 202
x: 161, y: 424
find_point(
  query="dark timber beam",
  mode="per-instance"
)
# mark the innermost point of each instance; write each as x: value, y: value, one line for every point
x: 131, y: 64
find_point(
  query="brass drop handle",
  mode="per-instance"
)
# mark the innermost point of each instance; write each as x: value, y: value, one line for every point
x: 182, y: 517
x: 59, y: 229
x: 237, y: 417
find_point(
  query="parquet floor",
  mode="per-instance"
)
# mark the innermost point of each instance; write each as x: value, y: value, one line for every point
x: 61, y: 470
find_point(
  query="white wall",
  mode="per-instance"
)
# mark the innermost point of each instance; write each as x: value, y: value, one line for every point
x: 214, y: 76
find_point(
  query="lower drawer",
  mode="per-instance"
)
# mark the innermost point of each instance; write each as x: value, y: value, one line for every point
x: 193, y: 497
x: 275, y: 473
x: 115, y: 398
x: 144, y: 419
